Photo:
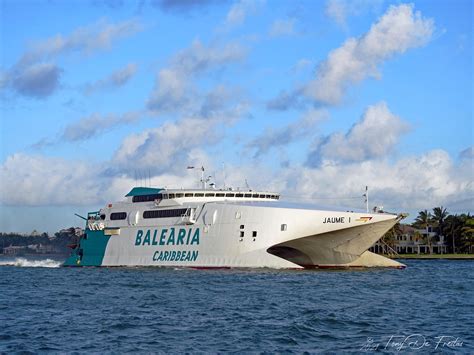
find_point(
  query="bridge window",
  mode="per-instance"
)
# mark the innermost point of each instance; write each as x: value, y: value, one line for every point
x: 147, y: 198
x: 210, y: 195
x: 165, y: 213
x: 239, y: 195
x: 171, y: 195
x: 179, y: 195
x: 220, y: 195
x: 248, y: 195
x: 189, y: 195
x: 229, y: 195
x: 118, y: 216
x: 198, y: 195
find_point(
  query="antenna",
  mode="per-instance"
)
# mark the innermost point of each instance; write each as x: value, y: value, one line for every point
x: 247, y: 184
x: 366, y: 195
x: 223, y: 173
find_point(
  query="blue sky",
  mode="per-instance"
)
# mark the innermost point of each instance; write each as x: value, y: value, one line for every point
x: 313, y: 99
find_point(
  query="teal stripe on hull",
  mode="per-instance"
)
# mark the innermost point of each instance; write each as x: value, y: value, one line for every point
x: 91, y: 250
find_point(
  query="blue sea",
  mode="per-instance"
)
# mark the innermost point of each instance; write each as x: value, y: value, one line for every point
x: 427, y: 307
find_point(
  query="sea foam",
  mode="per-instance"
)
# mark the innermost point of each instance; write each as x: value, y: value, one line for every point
x: 22, y: 262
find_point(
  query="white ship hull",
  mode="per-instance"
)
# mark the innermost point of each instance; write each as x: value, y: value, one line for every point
x: 232, y: 234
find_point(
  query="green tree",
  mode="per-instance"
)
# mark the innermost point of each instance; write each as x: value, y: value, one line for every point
x: 467, y: 235
x: 439, y: 220
x: 423, y: 220
x: 390, y: 237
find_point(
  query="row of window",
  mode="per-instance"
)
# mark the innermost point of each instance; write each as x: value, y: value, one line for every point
x: 165, y: 213
x: 116, y: 216
x: 152, y: 197
x: 147, y: 198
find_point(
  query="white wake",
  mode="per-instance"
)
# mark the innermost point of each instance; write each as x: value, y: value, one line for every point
x: 22, y: 262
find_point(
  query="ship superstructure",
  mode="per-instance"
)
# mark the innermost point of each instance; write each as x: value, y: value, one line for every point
x: 209, y: 228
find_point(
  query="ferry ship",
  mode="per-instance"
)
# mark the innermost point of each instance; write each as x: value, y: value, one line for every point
x: 209, y: 228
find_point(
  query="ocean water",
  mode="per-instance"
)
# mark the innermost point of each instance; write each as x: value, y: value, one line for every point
x: 428, y: 307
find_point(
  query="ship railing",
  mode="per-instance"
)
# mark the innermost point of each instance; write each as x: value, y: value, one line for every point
x: 95, y: 225
x: 189, y: 216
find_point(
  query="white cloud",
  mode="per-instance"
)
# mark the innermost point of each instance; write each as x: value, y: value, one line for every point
x: 35, y: 76
x: 38, y: 180
x: 96, y: 124
x: 240, y: 10
x: 166, y: 148
x: 467, y: 154
x: 85, y: 40
x: 398, y: 30
x: 173, y: 86
x: 283, y: 136
x: 116, y: 79
x: 374, y: 136
x: 282, y: 28
x: 170, y: 91
x: 411, y: 183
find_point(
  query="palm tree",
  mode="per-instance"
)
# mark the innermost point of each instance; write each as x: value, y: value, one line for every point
x: 467, y: 234
x: 423, y: 221
x: 439, y: 219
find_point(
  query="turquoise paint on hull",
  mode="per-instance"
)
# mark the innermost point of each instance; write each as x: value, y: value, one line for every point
x: 93, y: 250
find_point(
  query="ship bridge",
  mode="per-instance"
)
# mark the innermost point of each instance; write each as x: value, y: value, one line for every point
x: 149, y: 194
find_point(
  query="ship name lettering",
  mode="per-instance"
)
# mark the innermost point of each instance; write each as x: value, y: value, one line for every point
x: 333, y: 220
x: 174, y: 255
x: 167, y: 236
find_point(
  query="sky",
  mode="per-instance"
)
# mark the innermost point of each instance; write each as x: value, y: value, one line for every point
x: 311, y: 99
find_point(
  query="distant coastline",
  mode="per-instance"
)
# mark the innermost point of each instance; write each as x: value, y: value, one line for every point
x: 436, y: 256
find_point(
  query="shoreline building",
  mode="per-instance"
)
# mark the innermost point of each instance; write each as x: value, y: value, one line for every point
x: 411, y: 240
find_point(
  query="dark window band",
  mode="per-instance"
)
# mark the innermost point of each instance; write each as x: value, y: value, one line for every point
x: 118, y: 215
x: 147, y: 198
x: 165, y: 213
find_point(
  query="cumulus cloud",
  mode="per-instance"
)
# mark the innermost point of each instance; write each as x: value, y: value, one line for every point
x: 398, y: 30
x: 95, y: 124
x: 37, y: 180
x: 285, y: 135
x: 282, y: 27
x: 173, y: 87
x: 116, y: 79
x: 374, y: 136
x: 411, y: 183
x: 35, y: 75
x: 165, y: 148
x: 467, y: 154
